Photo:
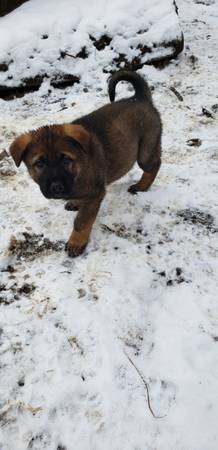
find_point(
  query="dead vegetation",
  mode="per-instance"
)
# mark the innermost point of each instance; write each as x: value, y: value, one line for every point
x: 29, y: 246
x: 199, y: 218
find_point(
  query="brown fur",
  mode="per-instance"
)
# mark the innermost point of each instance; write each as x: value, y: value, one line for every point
x: 77, y: 161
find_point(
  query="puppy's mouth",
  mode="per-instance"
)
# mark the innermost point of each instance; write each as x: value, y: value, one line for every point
x: 56, y: 192
x: 57, y: 196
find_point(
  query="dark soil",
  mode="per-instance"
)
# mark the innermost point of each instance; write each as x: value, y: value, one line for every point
x: 82, y: 53
x: 102, y: 42
x: 26, y: 289
x: 176, y: 277
x: 33, y: 245
x: 10, y: 294
x: 198, y: 218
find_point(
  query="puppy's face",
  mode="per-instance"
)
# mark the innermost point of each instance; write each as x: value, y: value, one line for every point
x: 54, y: 156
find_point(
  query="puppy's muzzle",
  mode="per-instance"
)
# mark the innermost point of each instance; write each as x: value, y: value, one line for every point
x: 57, y: 189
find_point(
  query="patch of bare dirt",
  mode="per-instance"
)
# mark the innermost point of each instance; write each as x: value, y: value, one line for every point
x: 198, y: 218
x: 32, y: 245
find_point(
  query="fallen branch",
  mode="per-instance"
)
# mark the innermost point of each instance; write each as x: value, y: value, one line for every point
x: 107, y: 228
x: 177, y: 94
x: 146, y: 388
x: 63, y: 54
x: 20, y: 405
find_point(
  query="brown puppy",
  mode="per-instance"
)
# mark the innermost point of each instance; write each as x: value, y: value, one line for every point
x: 76, y: 161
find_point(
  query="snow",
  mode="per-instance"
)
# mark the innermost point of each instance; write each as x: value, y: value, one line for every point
x: 145, y: 289
x: 71, y: 25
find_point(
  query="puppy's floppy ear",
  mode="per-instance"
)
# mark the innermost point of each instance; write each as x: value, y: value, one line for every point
x: 18, y: 147
x: 78, y: 133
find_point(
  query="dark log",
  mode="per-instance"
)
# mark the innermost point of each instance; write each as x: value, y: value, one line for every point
x: 7, y: 6
x: 33, y: 84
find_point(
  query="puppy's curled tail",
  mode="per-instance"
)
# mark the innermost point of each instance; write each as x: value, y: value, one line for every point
x: 142, y: 90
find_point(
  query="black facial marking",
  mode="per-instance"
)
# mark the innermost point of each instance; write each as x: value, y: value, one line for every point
x: 57, y: 162
x: 56, y: 180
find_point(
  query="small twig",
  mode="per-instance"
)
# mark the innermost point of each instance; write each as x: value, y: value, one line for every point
x: 21, y: 405
x: 207, y: 113
x: 146, y: 387
x: 107, y: 228
x: 62, y: 53
x: 73, y: 341
x: 177, y: 94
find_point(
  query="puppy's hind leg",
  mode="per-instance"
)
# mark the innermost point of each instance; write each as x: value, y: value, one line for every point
x: 150, y: 164
x: 146, y: 179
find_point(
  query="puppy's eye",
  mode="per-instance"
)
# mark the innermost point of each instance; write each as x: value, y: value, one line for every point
x: 66, y: 161
x: 39, y: 164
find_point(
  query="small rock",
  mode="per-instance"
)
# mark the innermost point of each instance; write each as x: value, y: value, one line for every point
x: 81, y: 292
x: 21, y: 382
x: 207, y: 113
x: 3, y: 155
x: 214, y: 107
x: 26, y: 288
x: 193, y: 59
x: 194, y: 142
x: 3, y: 67
x: 178, y: 271
x: 162, y: 274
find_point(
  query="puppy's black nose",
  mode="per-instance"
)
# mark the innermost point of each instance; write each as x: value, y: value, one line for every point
x: 56, y: 189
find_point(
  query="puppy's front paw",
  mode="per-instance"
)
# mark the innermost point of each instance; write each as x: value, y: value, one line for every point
x: 133, y: 189
x: 73, y: 249
x: 70, y: 206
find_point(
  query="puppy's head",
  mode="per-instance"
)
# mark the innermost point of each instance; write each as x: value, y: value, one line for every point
x: 54, y: 156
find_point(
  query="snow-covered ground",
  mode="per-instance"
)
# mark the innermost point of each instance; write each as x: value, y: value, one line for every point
x: 85, y: 38
x: 79, y: 336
